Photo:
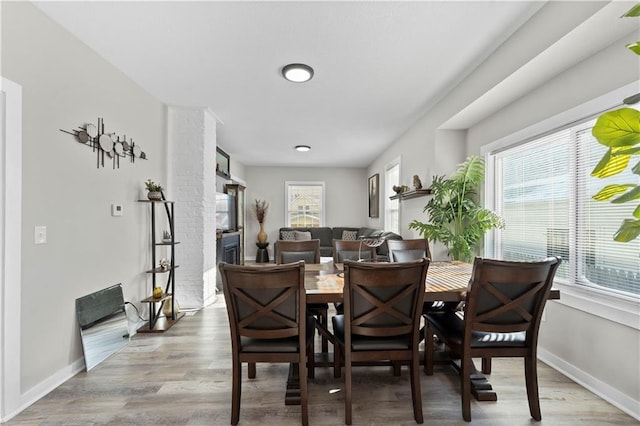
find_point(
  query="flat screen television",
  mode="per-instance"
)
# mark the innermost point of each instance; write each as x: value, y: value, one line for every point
x: 225, y: 213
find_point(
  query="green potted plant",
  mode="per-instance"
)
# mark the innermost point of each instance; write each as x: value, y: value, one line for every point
x: 155, y: 190
x: 619, y: 131
x: 455, y: 218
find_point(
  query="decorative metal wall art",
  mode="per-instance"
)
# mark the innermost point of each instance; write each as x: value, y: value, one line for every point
x: 107, y: 144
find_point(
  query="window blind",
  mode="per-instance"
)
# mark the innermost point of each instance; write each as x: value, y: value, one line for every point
x: 543, y: 191
x: 603, y: 262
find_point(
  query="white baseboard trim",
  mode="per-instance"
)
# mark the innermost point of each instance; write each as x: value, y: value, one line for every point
x: 610, y: 394
x: 49, y: 384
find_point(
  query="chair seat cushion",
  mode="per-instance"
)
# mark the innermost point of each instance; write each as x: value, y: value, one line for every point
x: 450, y: 326
x: 366, y: 343
x: 290, y: 344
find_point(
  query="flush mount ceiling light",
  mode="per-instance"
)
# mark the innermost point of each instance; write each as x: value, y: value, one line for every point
x: 302, y: 148
x: 297, y: 73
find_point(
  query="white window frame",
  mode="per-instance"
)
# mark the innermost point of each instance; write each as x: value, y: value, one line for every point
x: 611, y: 306
x: 388, y: 193
x: 288, y: 184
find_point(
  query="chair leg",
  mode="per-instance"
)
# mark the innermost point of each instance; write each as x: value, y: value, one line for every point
x: 531, y: 379
x: 304, y: 408
x: 416, y: 393
x: 347, y: 389
x: 486, y: 365
x: 236, y: 390
x: 311, y: 360
x: 337, y: 361
x: 396, y: 368
x: 428, y: 350
x: 251, y: 370
x: 324, y: 320
x: 465, y: 387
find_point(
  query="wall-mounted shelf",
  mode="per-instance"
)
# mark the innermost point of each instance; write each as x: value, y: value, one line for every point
x: 411, y: 194
x: 160, y: 270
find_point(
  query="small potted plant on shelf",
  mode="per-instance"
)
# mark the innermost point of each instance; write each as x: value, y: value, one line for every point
x: 155, y: 190
x: 166, y: 236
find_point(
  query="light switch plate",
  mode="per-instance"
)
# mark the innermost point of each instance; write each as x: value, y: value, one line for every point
x: 40, y: 235
x: 116, y: 210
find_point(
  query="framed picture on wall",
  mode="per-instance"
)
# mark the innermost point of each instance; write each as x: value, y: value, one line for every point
x: 222, y: 164
x: 374, y: 197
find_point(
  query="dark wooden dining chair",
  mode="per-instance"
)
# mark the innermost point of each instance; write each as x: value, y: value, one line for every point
x: 501, y: 318
x: 406, y: 250
x: 292, y: 251
x: 352, y: 250
x: 381, y: 321
x: 309, y: 251
x: 268, y: 321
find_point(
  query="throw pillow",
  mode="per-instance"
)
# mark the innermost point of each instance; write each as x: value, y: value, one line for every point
x: 301, y: 236
x: 287, y: 235
x: 350, y: 235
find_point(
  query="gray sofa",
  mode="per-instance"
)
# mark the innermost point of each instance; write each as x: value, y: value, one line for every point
x: 327, y: 234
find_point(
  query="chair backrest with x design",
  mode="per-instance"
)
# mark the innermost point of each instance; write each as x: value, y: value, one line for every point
x: 384, y: 297
x: 508, y: 297
x: 264, y: 303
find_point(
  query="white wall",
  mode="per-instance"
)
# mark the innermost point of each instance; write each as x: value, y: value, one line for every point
x: 346, y: 199
x: 66, y: 85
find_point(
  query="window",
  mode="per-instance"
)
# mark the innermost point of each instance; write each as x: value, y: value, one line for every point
x: 543, y: 189
x: 305, y: 204
x: 391, y: 207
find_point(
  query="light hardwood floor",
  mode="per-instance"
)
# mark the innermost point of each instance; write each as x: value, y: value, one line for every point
x: 183, y: 377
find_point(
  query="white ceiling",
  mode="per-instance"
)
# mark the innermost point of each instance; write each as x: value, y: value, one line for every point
x: 378, y: 65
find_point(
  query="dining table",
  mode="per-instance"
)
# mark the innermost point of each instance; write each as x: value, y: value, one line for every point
x: 446, y: 282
